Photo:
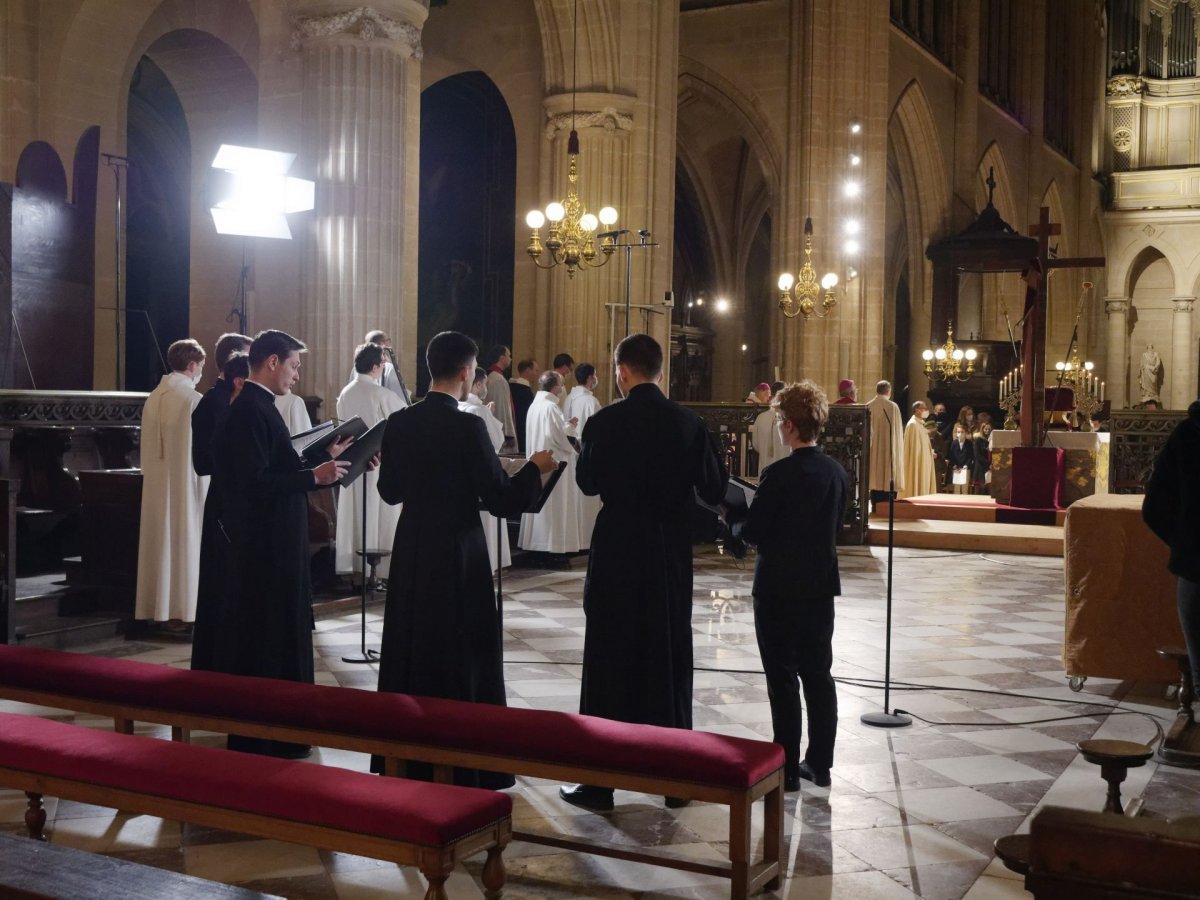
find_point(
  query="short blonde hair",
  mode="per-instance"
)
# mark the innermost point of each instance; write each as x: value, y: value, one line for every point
x: 805, y: 405
x: 182, y: 354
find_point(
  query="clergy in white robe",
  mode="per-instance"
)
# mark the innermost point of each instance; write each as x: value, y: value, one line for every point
x: 766, y: 440
x: 366, y: 398
x: 579, y: 405
x: 501, y: 396
x: 295, y: 413
x: 390, y: 378
x: 556, y: 528
x: 887, y: 440
x: 172, y: 494
x: 495, y: 531
x: 920, y: 472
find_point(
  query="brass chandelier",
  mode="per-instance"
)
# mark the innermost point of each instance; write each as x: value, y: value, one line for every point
x: 946, y: 362
x: 798, y: 295
x: 572, y: 240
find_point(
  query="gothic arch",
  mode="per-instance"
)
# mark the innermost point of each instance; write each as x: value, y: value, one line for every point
x: 598, y: 54
x: 914, y: 134
x: 993, y: 161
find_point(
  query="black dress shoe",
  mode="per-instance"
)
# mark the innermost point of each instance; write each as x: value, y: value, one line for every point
x: 597, y: 799
x: 791, y: 783
x: 820, y: 779
x: 676, y: 802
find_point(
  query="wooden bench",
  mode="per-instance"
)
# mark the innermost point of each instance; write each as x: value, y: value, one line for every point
x: 1075, y: 855
x: 445, y: 733
x: 431, y: 826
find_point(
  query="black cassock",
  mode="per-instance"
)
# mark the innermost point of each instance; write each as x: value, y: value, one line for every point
x: 266, y: 628
x: 643, y: 456
x: 207, y: 419
x: 441, y: 634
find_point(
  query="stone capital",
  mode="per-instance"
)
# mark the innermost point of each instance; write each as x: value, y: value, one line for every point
x: 1183, y: 304
x: 1116, y: 306
x: 611, y: 112
x: 395, y: 23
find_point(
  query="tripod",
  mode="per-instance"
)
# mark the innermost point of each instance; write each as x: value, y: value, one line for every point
x: 887, y: 719
x: 365, y: 655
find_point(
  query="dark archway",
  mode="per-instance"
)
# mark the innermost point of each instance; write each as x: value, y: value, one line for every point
x: 693, y: 279
x: 467, y: 213
x: 158, y: 225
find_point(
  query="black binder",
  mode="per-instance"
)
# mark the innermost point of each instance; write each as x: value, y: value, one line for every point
x: 360, y: 453
x: 549, y: 480
x: 354, y: 428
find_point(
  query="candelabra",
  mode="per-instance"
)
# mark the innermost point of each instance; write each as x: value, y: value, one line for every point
x: 949, y: 365
x: 798, y: 295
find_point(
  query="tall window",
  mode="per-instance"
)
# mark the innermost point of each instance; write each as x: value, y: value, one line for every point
x: 997, y: 81
x: 1181, y: 45
x: 1056, y: 121
x: 929, y: 22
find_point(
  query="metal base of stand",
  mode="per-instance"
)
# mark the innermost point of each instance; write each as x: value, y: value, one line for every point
x: 367, y: 656
x: 884, y: 720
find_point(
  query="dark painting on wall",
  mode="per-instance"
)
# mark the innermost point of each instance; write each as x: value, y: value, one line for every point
x: 49, y: 310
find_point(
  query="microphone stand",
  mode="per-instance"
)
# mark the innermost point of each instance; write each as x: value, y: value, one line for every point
x: 364, y: 655
x: 887, y: 719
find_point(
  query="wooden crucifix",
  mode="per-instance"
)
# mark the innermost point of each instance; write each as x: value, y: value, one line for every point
x: 1033, y: 341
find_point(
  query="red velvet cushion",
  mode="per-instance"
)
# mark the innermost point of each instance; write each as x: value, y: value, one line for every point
x: 430, y: 815
x: 533, y: 734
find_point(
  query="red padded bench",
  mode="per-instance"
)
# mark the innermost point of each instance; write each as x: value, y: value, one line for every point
x: 568, y: 747
x: 431, y: 826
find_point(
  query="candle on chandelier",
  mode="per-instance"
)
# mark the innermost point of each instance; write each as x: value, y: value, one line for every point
x: 1102, y: 392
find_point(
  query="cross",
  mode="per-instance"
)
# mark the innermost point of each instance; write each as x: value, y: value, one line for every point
x: 1033, y: 341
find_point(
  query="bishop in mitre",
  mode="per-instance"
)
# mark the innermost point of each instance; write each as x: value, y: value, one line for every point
x: 920, y: 471
x: 172, y: 494
x: 887, y: 443
x: 495, y: 531
x: 556, y: 528
x: 366, y: 398
x: 578, y: 407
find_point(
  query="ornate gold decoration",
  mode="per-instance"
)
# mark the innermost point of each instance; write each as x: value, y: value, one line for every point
x: 798, y: 295
x: 946, y: 362
x: 1124, y: 86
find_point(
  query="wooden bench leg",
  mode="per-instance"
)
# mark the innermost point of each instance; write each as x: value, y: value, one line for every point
x: 437, y: 883
x: 773, y: 833
x: 122, y: 726
x: 181, y: 735
x: 494, y: 874
x: 443, y: 774
x: 392, y: 767
x: 35, y: 817
x: 739, y: 849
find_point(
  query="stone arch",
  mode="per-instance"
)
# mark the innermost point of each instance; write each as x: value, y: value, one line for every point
x: 918, y: 186
x: 598, y: 54
x: 1152, y: 289
x: 993, y: 160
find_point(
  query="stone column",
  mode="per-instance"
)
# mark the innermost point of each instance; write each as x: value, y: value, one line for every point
x: 361, y: 126
x: 1117, y: 310
x: 1183, y: 384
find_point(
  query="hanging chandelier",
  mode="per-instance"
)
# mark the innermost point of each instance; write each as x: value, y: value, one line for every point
x: 798, y: 295
x: 572, y: 239
x: 946, y: 361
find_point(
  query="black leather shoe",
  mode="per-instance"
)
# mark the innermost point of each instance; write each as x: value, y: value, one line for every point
x: 676, y: 802
x: 820, y: 779
x: 597, y: 799
x: 791, y: 783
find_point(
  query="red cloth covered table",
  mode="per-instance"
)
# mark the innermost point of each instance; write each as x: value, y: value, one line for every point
x: 1037, y: 474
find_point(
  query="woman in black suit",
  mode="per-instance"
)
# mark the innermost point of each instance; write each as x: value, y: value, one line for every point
x: 960, y: 458
x: 794, y: 520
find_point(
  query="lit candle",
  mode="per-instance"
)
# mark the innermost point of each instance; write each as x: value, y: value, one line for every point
x: 1102, y: 392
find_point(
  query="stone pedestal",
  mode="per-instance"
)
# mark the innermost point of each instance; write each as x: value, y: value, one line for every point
x: 361, y: 125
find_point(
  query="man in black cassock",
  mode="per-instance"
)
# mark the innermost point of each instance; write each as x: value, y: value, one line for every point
x: 646, y: 457
x: 267, y: 628
x: 207, y: 418
x: 441, y: 628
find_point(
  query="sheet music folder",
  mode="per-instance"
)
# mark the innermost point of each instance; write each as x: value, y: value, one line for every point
x: 304, y: 438
x: 513, y: 464
x: 359, y: 453
x: 739, y: 494
x: 354, y: 428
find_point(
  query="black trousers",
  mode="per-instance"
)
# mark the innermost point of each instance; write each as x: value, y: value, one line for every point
x: 795, y: 639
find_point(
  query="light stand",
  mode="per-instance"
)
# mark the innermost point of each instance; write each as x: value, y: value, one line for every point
x: 364, y: 655
x: 887, y: 719
x: 239, y: 311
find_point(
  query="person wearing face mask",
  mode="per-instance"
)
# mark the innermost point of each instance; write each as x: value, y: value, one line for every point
x: 647, y: 457
x: 920, y: 470
x: 498, y: 552
x: 172, y: 495
x: 368, y: 399
x: 960, y: 456
x: 554, y: 530
x: 581, y: 404
x: 441, y: 634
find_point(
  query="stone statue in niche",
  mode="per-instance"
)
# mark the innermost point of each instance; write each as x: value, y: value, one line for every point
x: 1150, y: 376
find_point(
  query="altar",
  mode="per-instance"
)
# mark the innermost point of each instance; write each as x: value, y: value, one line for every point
x: 1085, y: 463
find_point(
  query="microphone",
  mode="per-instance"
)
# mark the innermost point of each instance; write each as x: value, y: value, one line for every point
x: 612, y: 234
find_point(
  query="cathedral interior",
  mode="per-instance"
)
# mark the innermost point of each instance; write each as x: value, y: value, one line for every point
x: 906, y: 162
